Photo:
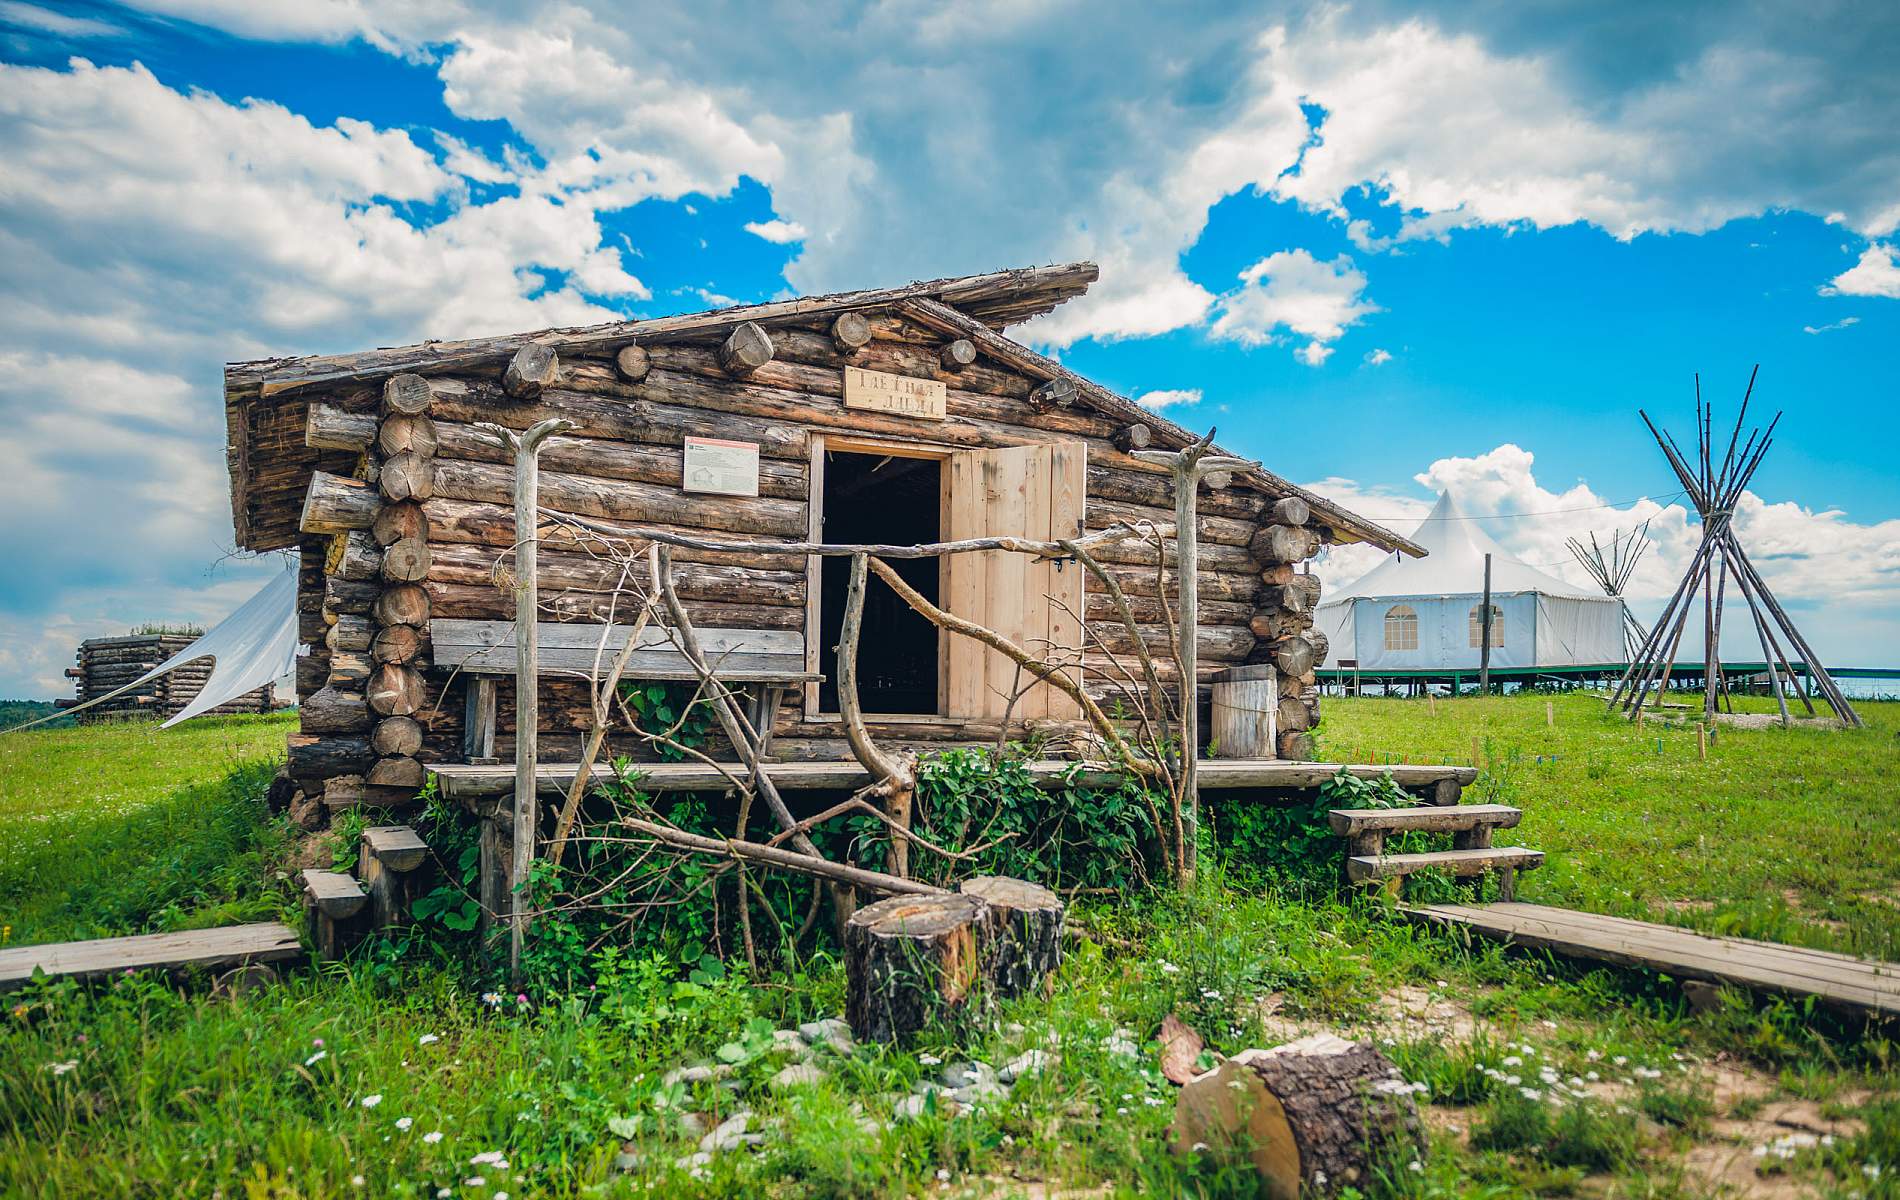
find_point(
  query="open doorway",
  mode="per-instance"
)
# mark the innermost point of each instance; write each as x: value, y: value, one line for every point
x: 881, y: 498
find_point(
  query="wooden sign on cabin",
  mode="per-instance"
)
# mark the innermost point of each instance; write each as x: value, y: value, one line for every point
x: 721, y: 468
x: 903, y: 394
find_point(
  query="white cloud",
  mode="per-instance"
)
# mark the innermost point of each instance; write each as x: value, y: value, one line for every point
x: 1292, y: 290
x: 1876, y: 274
x: 148, y: 235
x: 1795, y: 548
x: 1831, y: 326
x: 32, y: 16
x: 1378, y: 358
x: 776, y: 231
x: 1169, y: 398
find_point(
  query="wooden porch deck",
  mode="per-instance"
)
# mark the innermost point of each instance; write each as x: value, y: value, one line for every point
x: 461, y: 781
x: 211, y: 949
x: 1840, y: 981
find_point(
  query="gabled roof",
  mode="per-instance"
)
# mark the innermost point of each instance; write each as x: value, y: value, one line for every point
x: 999, y: 299
x: 264, y: 408
x: 1456, y: 546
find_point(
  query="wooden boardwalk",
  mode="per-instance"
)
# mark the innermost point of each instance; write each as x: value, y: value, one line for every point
x: 211, y: 949
x: 461, y: 781
x: 1840, y: 981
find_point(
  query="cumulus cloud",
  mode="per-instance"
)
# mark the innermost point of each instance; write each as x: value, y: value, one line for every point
x: 1876, y: 274
x: 148, y: 234
x: 1169, y: 398
x: 776, y: 231
x: 1793, y: 546
x: 1378, y: 358
x: 1294, y: 291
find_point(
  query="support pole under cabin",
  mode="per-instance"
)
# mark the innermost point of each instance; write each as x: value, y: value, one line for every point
x: 527, y: 450
x: 1187, y: 466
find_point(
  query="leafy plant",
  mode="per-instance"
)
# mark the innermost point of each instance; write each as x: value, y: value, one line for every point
x: 670, y: 709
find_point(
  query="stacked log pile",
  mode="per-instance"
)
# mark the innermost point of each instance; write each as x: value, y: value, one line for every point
x: 104, y: 665
x: 419, y: 530
x: 1283, y: 619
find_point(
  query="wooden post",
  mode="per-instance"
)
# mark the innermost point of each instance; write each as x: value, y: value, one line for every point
x: 1550, y: 714
x: 1702, y: 742
x: 527, y: 448
x: 1188, y: 465
x: 1484, y: 634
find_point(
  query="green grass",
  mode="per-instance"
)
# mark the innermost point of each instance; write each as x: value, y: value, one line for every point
x: 125, y: 828
x: 175, y: 1091
x: 1789, y: 835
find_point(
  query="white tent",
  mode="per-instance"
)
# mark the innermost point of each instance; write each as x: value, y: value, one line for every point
x: 1425, y: 614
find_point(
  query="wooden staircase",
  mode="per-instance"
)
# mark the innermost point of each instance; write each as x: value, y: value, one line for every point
x: 390, y: 874
x: 1472, y: 854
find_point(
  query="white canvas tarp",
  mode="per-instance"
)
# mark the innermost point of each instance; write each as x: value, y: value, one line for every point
x: 255, y: 645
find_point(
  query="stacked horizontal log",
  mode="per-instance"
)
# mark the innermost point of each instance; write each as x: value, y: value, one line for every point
x: 1282, y: 621
x: 425, y: 527
x: 103, y: 665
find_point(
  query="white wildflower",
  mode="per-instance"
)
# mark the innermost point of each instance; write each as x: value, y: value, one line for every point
x: 1530, y: 1093
x: 357, y: 1181
x: 371, y: 1100
x: 426, y: 1038
x: 60, y: 1068
x: 929, y: 1060
x: 432, y: 1137
x: 1513, y: 1061
x: 475, y: 1181
x: 403, y: 1123
x: 316, y: 1058
x: 1416, y: 1167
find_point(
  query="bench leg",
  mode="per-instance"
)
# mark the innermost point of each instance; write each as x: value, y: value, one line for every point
x: 1507, y: 884
x: 771, y: 695
x: 497, y: 863
x: 478, y: 725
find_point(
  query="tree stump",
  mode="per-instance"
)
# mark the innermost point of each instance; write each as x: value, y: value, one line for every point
x: 1023, y: 942
x: 912, y: 962
x: 1316, y: 1115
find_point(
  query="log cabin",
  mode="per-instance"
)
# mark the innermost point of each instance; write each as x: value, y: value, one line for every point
x: 893, y: 415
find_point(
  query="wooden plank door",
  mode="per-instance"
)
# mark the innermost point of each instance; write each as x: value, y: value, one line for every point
x: 1018, y: 491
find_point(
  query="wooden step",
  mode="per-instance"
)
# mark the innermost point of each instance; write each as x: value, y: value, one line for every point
x: 397, y: 847
x: 1432, y: 818
x: 210, y: 949
x: 1362, y: 867
x: 335, y: 894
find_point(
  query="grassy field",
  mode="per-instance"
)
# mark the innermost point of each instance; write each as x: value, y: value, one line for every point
x: 415, y: 1075
x: 1789, y: 835
x: 126, y: 828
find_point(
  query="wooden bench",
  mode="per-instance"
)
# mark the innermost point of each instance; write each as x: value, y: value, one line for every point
x: 768, y: 660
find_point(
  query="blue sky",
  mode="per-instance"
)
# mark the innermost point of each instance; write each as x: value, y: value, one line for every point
x: 1385, y: 250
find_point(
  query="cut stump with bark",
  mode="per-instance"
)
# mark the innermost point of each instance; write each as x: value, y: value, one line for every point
x: 1314, y: 1116
x: 1022, y: 945
x: 911, y: 963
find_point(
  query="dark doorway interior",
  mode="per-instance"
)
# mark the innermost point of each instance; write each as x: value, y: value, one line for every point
x: 878, y: 498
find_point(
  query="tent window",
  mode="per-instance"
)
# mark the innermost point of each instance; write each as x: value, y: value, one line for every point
x: 1401, y: 628
x: 1497, y: 626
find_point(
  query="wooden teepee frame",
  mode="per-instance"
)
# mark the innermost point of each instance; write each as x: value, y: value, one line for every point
x: 1611, y: 567
x: 1714, y: 490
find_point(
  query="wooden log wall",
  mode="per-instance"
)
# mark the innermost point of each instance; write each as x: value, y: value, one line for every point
x: 424, y: 529
x: 103, y: 665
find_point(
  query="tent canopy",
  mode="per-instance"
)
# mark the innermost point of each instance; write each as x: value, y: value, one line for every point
x: 1455, y: 547
x: 1424, y: 614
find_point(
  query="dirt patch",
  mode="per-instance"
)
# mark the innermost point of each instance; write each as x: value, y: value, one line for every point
x: 1773, y: 720
x: 314, y: 850
x: 1414, y: 1012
